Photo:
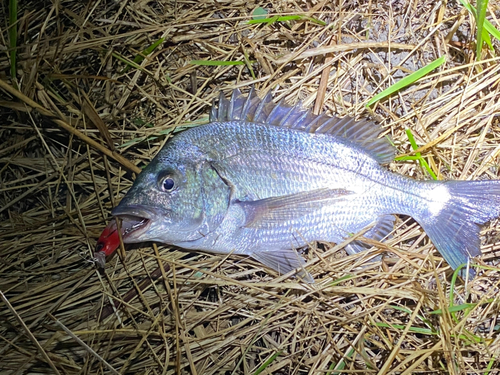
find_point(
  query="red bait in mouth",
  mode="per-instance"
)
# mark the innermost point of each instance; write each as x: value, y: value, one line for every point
x: 109, y: 239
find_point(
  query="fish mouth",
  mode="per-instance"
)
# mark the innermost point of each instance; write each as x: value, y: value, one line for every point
x: 135, y: 220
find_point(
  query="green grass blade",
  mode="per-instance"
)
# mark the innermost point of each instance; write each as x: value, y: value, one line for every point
x: 343, y: 278
x: 417, y: 156
x: 409, y: 312
x: 426, y: 331
x: 469, y: 7
x: 248, y: 63
x: 13, y: 39
x: 454, y: 278
x: 217, y: 62
x: 487, y: 39
x: 408, y: 80
x: 125, y: 60
x: 179, y: 128
x: 342, y: 364
x: 491, y: 29
x: 455, y: 308
x: 269, y: 20
x: 423, y: 331
x: 267, y: 363
x: 140, y: 57
x: 296, y: 17
x: 488, y: 26
x: 491, y: 363
x: 481, y: 16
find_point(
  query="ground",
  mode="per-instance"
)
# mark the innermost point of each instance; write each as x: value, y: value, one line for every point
x: 99, y: 87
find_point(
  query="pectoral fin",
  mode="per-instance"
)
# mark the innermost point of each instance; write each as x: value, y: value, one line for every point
x: 284, y: 261
x: 276, y: 210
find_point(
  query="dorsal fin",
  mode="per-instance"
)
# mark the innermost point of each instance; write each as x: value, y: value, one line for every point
x: 251, y: 108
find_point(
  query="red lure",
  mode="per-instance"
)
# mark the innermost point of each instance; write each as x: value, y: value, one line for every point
x: 107, y: 243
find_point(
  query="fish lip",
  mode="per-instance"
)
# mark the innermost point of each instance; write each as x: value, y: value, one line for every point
x: 134, y: 210
x: 135, y: 220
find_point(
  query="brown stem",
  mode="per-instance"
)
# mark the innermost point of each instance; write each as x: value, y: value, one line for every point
x: 132, y: 293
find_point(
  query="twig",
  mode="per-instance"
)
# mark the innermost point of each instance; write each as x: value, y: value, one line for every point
x: 28, y: 332
x: 108, y: 309
x: 84, y: 345
x: 341, y: 48
x: 323, y: 83
x: 63, y: 124
x: 26, y: 193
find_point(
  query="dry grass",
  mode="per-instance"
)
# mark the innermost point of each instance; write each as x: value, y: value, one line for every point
x: 80, y: 107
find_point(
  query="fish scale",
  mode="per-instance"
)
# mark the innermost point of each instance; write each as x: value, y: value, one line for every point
x: 320, y: 168
x: 264, y: 179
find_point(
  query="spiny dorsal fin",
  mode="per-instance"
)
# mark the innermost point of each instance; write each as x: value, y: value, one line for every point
x: 251, y: 108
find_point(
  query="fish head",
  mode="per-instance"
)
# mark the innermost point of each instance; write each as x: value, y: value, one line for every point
x: 173, y: 200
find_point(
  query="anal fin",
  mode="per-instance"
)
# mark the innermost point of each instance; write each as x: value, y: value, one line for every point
x: 381, y: 229
x: 284, y: 261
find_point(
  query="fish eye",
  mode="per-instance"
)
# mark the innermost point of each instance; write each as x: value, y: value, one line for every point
x: 167, y: 184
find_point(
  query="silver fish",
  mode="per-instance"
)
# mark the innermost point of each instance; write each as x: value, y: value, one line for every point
x: 264, y: 179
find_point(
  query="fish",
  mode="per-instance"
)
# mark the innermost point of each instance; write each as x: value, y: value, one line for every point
x: 264, y: 180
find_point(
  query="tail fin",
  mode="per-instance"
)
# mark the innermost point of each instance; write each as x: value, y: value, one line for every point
x: 454, y: 215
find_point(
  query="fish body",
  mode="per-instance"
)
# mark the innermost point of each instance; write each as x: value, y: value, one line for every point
x: 264, y: 179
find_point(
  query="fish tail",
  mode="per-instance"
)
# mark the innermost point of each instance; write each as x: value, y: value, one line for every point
x: 454, y: 214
